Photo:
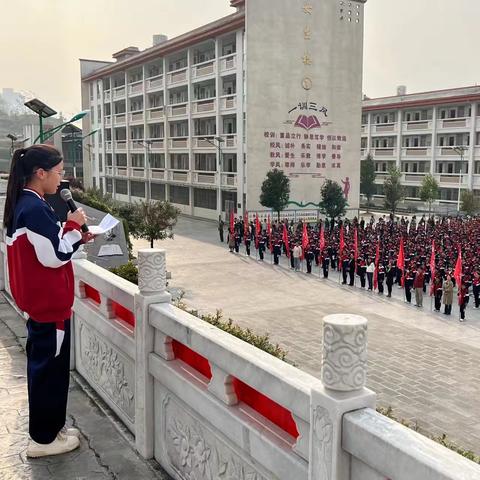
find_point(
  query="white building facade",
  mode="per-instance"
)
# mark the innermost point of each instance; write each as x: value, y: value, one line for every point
x: 434, y: 132
x: 199, y: 120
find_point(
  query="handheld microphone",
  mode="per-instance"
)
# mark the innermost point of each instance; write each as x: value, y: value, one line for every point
x: 66, y: 196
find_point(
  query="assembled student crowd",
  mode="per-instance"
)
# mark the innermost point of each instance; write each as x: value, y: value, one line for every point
x: 442, y: 253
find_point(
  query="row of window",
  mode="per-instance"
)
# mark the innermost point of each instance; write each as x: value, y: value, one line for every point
x: 424, y: 167
x: 413, y: 192
x: 202, y: 198
x: 443, y: 140
x: 444, y: 113
x: 177, y: 161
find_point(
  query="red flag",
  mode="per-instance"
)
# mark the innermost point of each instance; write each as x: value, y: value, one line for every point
x: 322, y: 239
x: 232, y: 225
x: 305, y: 241
x: 342, y: 243
x: 377, y: 261
x: 432, y: 267
x: 269, y: 233
x: 245, y: 226
x: 401, y: 259
x: 285, y: 240
x: 457, y: 273
x: 355, y: 246
x: 258, y: 229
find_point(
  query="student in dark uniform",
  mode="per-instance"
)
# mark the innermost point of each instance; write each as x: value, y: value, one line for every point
x: 237, y: 241
x: 463, y: 297
x: 362, y: 272
x: 316, y: 253
x: 476, y: 289
x: 277, y: 250
x: 409, y: 277
x: 380, y: 277
x: 351, y: 270
x: 345, y: 268
x: 309, y: 257
x: 325, y: 264
x: 248, y: 243
x: 437, y: 291
x: 261, y: 246
x: 390, y: 273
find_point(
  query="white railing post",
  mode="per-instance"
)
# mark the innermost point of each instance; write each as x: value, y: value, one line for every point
x: 152, y: 284
x: 344, y: 372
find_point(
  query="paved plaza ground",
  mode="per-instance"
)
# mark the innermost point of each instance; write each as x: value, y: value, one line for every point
x: 424, y: 365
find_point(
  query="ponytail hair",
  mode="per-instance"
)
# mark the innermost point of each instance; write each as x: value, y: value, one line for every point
x: 25, y: 162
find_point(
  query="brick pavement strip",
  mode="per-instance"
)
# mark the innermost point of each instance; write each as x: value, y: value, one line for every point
x: 104, y: 452
x: 419, y: 361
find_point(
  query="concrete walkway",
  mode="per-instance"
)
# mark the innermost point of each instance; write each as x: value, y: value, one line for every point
x: 105, y: 448
x: 424, y: 365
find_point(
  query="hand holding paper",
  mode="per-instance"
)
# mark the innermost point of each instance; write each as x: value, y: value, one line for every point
x: 108, y: 222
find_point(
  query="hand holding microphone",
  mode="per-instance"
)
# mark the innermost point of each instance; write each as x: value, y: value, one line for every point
x: 76, y: 215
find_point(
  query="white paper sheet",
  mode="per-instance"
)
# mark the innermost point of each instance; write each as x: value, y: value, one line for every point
x: 108, y: 222
x: 110, y: 250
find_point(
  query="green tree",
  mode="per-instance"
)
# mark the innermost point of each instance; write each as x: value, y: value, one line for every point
x: 393, y: 190
x: 333, y: 203
x: 154, y: 220
x: 470, y: 203
x: 429, y: 190
x: 367, y: 178
x: 275, y: 191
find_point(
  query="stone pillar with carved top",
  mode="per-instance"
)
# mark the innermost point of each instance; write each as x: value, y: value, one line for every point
x: 152, y: 284
x: 344, y: 373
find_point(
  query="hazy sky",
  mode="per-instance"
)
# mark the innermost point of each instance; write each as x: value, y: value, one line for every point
x: 424, y: 44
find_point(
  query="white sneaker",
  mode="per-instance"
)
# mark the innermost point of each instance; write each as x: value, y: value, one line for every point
x: 73, y: 432
x: 61, y: 444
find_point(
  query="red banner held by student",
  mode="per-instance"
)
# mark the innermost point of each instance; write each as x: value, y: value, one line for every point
x: 377, y: 261
x: 305, y: 241
x: 432, y: 268
x: 322, y: 239
x: 258, y: 229
x: 285, y: 240
x: 457, y: 273
x: 355, y: 247
x: 342, y: 243
x: 269, y: 233
x: 232, y: 224
x: 401, y: 260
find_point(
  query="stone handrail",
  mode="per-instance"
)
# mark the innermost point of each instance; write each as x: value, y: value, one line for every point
x: 405, y: 454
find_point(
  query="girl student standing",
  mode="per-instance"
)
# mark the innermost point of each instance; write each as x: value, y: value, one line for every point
x: 39, y: 250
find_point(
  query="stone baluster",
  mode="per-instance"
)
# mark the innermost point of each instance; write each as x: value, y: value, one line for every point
x: 344, y: 372
x: 152, y: 284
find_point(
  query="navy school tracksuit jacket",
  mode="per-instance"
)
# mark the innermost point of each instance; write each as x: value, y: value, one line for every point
x: 39, y: 252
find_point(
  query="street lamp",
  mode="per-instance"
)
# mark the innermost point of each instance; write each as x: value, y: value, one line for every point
x: 148, y: 145
x: 14, y: 140
x: 43, y: 111
x: 49, y: 133
x: 460, y: 150
x: 74, y: 152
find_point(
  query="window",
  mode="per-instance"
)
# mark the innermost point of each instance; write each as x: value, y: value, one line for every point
x: 155, y: 100
x: 229, y: 201
x: 204, y: 198
x: 228, y: 48
x: 179, y: 129
x: 100, y: 162
x: 158, y: 191
x: 137, y: 189
x: 205, y: 162
x: 136, y: 133
x: 179, y: 161
x: 109, y: 185
x: 155, y: 69
x: 180, y: 195
x: 138, y: 160
x: 205, y: 126
x: 230, y: 125
x: 108, y: 160
x: 121, y: 187
x: 229, y: 161
x: 136, y: 104
x: 157, y: 160
x: 121, y: 159
x: 178, y: 96
x: 157, y: 130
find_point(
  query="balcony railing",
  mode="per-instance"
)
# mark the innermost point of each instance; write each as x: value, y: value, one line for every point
x: 178, y: 110
x: 157, y: 143
x: 108, y: 145
x: 136, y: 117
x: 364, y: 129
x: 207, y: 178
x: 121, y: 145
x: 200, y: 142
x: 137, y: 172
x: 204, y: 69
x: 229, y: 141
x: 460, y: 123
x: 137, y: 144
x: 121, y: 171
x: 157, y: 173
x: 119, y: 119
x: 177, y: 77
x: 202, y: 106
x: 384, y: 128
x: 178, y: 142
x: 154, y: 83
x: 416, y: 151
x: 228, y: 103
x: 107, y: 96
x: 135, y: 88
x: 414, y: 177
x: 229, y: 179
x: 228, y: 62
x: 455, y: 179
x: 155, y: 113
x: 450, y: 152
x: 119, y: 92
x: 107, y: 121
x: 183, y: 177
x: 417, y: 125
x: 109, y: 170
x: 384, y: 151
